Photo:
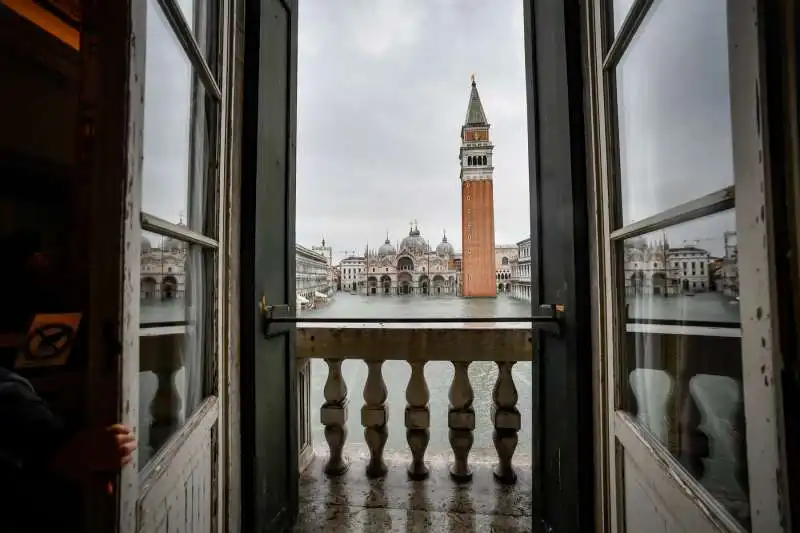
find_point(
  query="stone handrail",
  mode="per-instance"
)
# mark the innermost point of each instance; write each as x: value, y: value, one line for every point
x: 460, y: 344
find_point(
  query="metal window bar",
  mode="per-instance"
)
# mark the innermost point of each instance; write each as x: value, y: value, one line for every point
x: 183, y: 33
x: 548, y: 320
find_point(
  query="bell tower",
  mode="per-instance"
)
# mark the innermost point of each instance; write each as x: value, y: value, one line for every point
x: 477, y: 202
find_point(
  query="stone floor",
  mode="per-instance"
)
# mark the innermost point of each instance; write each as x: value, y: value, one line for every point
x: 353, y: 503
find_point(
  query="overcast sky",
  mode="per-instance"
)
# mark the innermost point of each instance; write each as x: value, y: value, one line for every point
x: 383, y: 87
x: 383, y: 92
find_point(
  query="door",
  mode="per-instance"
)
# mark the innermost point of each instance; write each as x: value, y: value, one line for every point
x: 559, y: 269
x: 170, y: 297
x: 269, y: 414
x: 693, y: 379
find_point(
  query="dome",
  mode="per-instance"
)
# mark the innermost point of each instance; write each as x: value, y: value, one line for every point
x: 445, y: 248
x: 414, y: 242
x: 146, y: 246
x: 386, y: 248
x: 174, y: 244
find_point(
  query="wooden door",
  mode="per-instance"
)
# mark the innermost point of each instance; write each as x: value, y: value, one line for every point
x: 688, y: 309
x: 170, y: 304
x: 268, y: 373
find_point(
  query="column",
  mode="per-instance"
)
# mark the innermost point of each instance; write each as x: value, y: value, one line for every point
x: 333, y: 416
x: 374, y: 417
x: 507, y: 422
x: 418, y: 420
x: 461, y: 421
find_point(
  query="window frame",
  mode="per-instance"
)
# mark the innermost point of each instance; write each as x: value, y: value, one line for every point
x: 213, y: 200
x: 763, y: 405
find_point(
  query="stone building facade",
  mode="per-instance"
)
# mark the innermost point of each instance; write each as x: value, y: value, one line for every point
x: 312, y: 277
x: 521, y: 271
x: 412, y: 268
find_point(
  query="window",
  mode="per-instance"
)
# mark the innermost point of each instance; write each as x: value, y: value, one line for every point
x: 179, y: 222
x: 680, y: 352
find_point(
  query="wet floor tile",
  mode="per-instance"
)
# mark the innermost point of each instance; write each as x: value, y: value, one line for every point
x: 355, y: 503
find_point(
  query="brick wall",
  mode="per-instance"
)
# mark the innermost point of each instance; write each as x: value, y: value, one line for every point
x: 477, y: 235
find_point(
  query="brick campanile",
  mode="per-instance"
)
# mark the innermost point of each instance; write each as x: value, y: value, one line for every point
x: 477, y: 202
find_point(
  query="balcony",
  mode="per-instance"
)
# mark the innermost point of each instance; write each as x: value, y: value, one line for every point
x: 351, y: 488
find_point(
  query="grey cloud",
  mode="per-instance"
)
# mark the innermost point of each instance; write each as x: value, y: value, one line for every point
x: 382, y: 97
x: 383, y: 88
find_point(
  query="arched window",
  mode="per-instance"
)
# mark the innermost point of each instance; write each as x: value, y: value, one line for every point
x: 483, y: 160
x: 469, y: 161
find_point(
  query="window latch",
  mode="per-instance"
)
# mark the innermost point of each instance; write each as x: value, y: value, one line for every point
x: 550, y: 318
x: 271, y: 325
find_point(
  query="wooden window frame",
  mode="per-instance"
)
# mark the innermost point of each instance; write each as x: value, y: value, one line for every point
x: 768, y: 496
x: 215, y: 311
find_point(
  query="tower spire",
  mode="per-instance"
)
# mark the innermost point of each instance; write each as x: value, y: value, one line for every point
x: 475, y: 114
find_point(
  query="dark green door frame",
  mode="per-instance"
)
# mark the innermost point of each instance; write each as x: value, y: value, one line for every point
x: 564, y: 479
x: 268, y: 372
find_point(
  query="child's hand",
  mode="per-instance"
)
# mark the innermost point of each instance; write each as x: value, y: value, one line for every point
x: 95, y: 450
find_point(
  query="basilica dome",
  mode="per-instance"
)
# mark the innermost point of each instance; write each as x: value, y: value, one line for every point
x: 174, y: 244
x: 386, y: 248
x: 146, y: 246
x: 414, y: 243
x: 445, y: 248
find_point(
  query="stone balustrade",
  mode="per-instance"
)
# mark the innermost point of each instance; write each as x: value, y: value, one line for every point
x: 375, y: 344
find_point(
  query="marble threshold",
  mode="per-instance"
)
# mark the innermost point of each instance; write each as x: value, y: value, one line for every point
x: 354, y: 503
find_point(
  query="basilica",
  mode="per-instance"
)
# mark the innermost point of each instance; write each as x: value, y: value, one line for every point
x: 411, y: 268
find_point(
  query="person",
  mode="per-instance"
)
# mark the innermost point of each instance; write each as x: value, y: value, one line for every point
x: 40, y: 458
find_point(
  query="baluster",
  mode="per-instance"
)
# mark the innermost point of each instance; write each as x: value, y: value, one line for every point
x: 418, y: 420
x: 374, y: 416
x: 166, y: 407
x: 461, y: 421
x: 333, y: 416
x: 507, y: 422
x: 163, y: 356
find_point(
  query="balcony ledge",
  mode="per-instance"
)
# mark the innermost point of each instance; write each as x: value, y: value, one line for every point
x: 371, y: 342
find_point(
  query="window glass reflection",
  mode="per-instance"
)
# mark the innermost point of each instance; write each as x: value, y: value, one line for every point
x: 683, y: 351
x: 171, y: 339
x: 178, y: 117
x: 674, y: 108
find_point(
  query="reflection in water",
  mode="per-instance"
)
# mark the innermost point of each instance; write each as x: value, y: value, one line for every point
x: 438, y: 374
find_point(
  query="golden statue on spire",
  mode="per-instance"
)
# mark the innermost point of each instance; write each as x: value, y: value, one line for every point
x: 472, y: 77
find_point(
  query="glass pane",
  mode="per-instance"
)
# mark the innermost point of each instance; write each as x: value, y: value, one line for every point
x: 201, y: 16
x: 172, y: 337
x: 674, y: 108
x: 620, y: 10
x: 179, y: 138
x: 683, y: 351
